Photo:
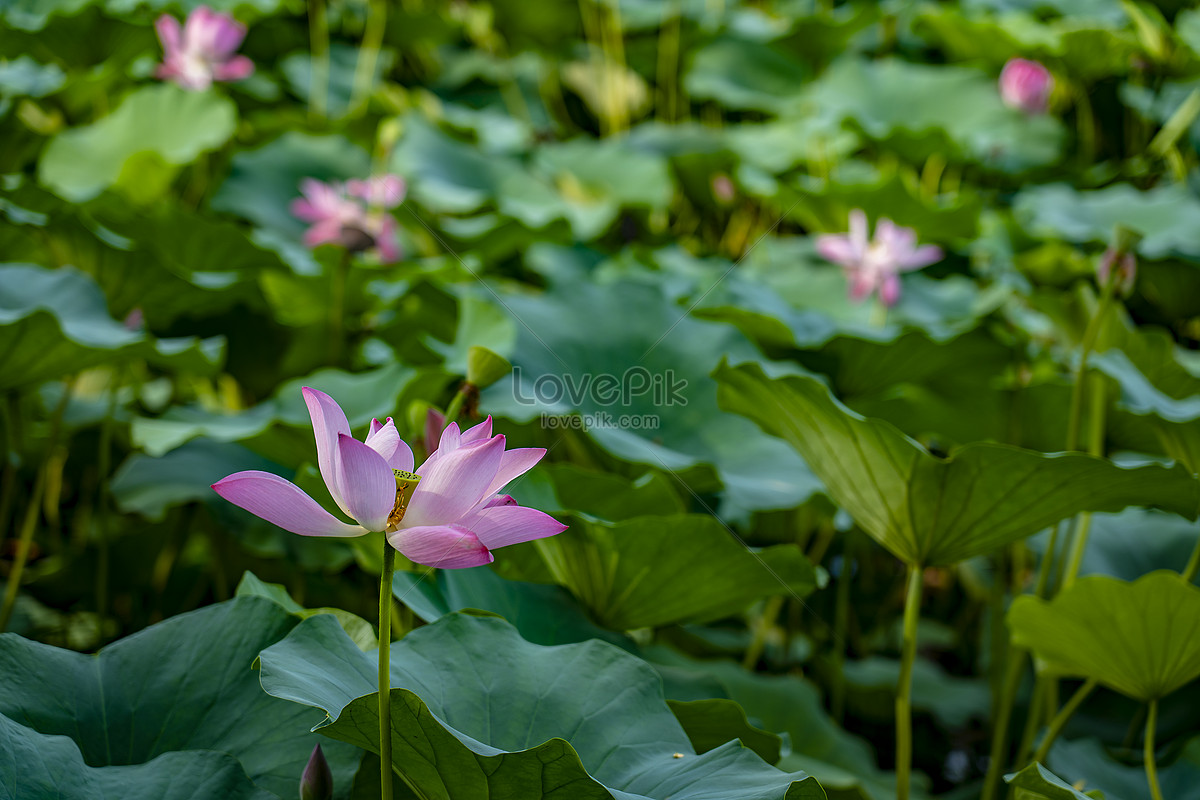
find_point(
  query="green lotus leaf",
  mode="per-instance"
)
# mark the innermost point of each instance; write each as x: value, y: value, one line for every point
x: 1035, y: 782
x: 152, y: 485
x: 263, y: 182
x: 1141, y: 639
x: 24, y: 77
x: 713, y: 722
x: 1168, y: 217
x: 541, y: 613
x: 565, y: 488
x: 185, y: 684
x: 169, y: 123
x: 34, y: 765
x: 650, y: 341
x: 55, y: 322
x: 784, y: 704
x: 1091, y: 763
x: 742, y: 74
x: 922, y: 109
x: 655, y: 571
x: 928, y: 510
x: 479, y: 711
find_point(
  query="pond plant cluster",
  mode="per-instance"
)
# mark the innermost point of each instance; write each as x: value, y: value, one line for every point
x: 622, y: 399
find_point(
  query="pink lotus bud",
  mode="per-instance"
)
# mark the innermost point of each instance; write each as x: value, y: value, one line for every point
x: 1126, y: 271
x: 723, y: 189
x: 316, y: 783
x: 134, y: 320
x: 1025, y: 85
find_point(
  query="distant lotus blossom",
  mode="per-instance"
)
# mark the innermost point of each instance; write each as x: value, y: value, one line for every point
x: 202, y: 51
x: 1025, y: 85
x: 1126, y: 267
x: 352, y: 215
x: 453, y: 518
x: 875, y: 265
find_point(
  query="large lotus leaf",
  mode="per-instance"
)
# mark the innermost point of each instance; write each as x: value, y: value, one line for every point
x: 1087, y: 47
x: 713, y: 722
x: 24, y: 77
x: 185, y: 684
x: 32, y: 15
x: 263, y: 182
x: 168, y: 264
x: 671, y: 419
x: 541, y: 613
x: 1132, y: 543
x: 152, y: 485
x: 742, y: 74
x: 55, y: 322
x: 952, y: 700
x: 928, y: 510
x: 784, y: 297
x: 1035, y: 782
x: 172, y: 124
x: 478, y: 711
x: 1168, y: 217
x: 825, y: 204
x: 363, y: 396
x: 1088, y: 761
x: 1140, y: 638
x: 655, y: 571
x: 564, y: 488
x: 922, y: 109
x: 785, y: 704
x: 35, y: 765
x: 583, y: 182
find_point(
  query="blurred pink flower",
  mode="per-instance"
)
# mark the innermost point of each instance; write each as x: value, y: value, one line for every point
x: 353, y: 214
x: 203, y: 50
x: 454, y: 517
x: 1025, y: 85
x: 875, y: 265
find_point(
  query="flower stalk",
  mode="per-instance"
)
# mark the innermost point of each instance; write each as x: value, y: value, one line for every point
x: 908, y: 655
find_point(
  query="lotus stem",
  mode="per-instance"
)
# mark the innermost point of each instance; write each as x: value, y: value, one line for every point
x: 318, y: 77
x: 385, y: 675
x: 1193, y: 565
x: 770, y: 613
x: 908, y: 654
x: 841, y: 625
x: 1148, y: 752
x: 368, y: 54
x: 25, y: 542
x: 1060, y: 719
x: 996, y: 762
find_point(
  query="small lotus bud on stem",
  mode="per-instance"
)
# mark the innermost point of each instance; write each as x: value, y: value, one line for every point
x: 316, y: 782
x: 485, y: 367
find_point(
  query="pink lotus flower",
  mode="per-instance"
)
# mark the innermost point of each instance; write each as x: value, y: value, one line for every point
x: 1025, y: 85
x: 352, y: 214
x: 203, y: 50
x: 453, y: 518
x: 875, y: 265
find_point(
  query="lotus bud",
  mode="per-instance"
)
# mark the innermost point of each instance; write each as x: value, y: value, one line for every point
x: 316, y: 783
x: 723, y: 189
x: 485, y: 367
x: 1025, y: 85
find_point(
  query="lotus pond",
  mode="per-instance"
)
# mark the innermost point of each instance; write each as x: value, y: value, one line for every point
x: 612, y: 399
